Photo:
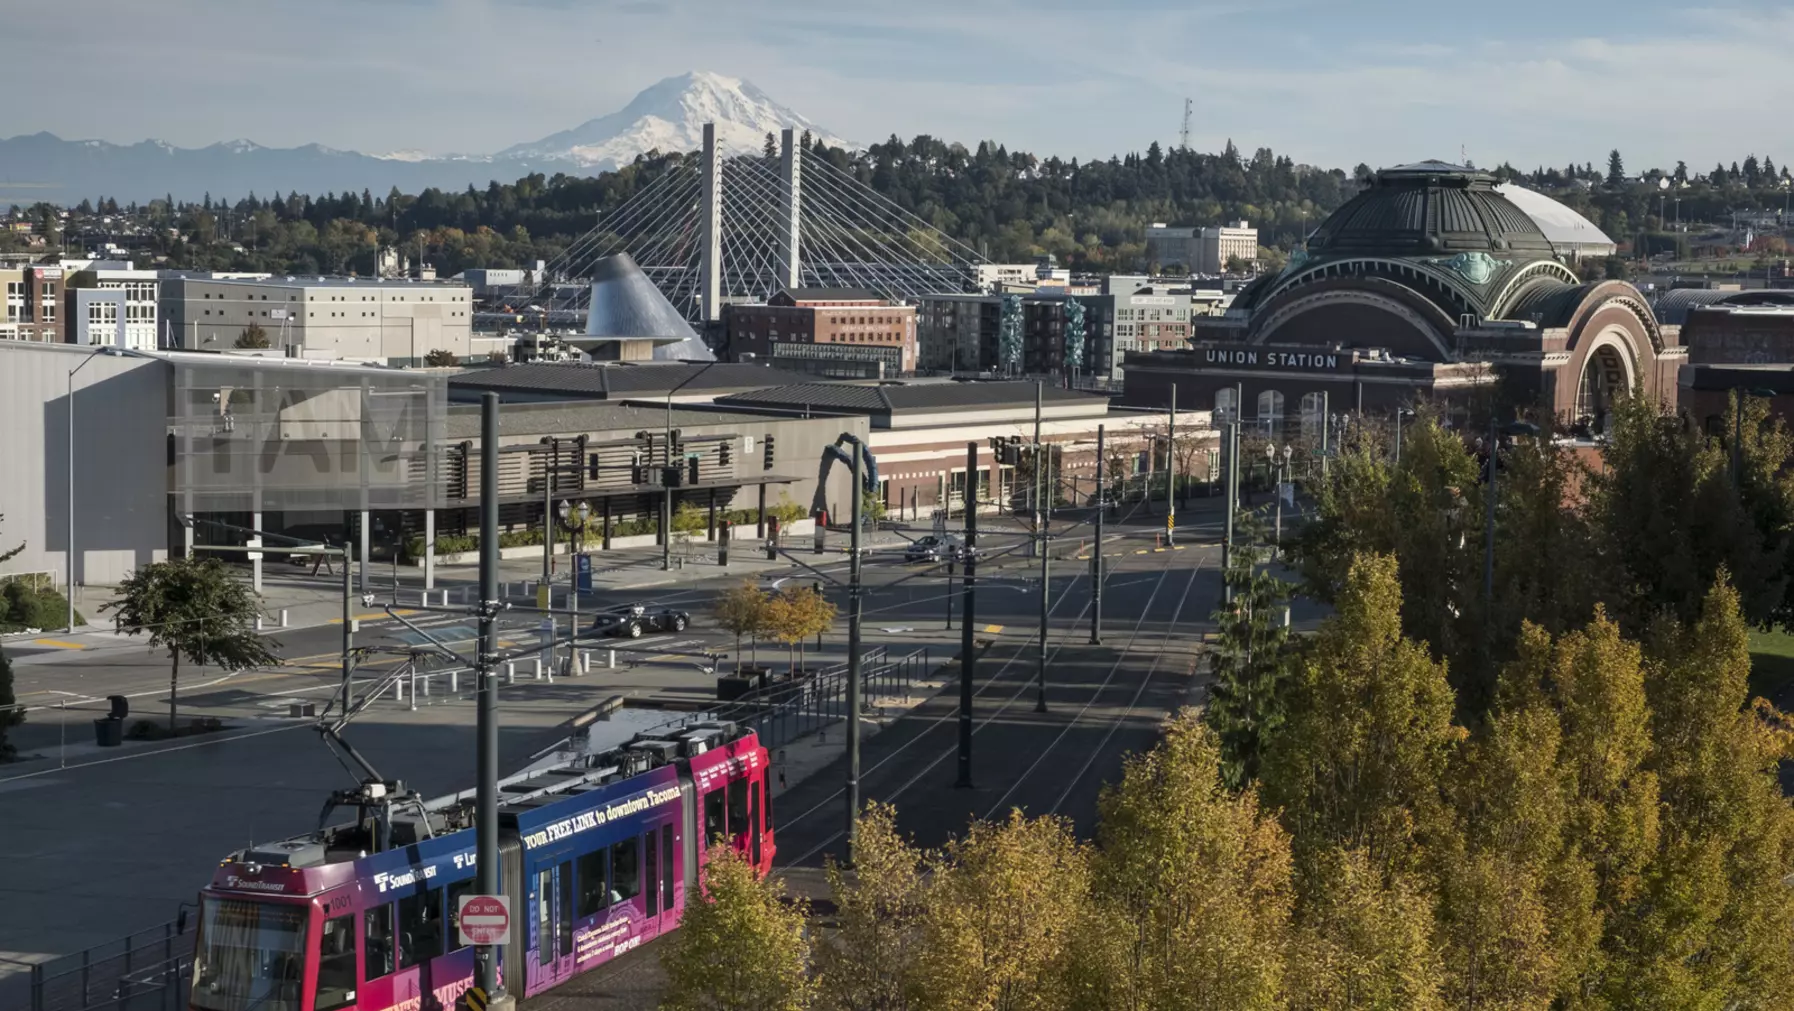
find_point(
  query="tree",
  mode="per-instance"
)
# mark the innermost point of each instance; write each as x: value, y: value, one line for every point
x: 1359, y: 762
x: 1235, y: 265
x: 741, y: 610
x: 253, y: 337
x: 740, y: 947
x: 11, y: 714
x: 1712, y: 923
x: 795, y: 614
x: 1199, y: 877
x: 1616, y: 170
x: 1008, y: 905
x: 441, y: 359
x: 689, y: 519
x: 196, y: 608
x: 770, y: 150
x: 1364, y: 941
x: 870, y: 961
x: 1248, y: 663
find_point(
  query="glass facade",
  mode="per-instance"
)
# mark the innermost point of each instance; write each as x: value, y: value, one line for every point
x: 288, y: 435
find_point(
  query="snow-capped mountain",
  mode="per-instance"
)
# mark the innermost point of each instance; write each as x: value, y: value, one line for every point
x: 668, y: 116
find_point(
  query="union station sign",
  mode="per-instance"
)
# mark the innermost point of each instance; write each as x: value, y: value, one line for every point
x: 1289, y: 361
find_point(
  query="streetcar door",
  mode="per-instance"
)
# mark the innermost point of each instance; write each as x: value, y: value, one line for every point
x: 554, y: 923
x: 754, y: 830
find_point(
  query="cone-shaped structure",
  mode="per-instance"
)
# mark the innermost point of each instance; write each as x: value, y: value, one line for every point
x: 625, y: 305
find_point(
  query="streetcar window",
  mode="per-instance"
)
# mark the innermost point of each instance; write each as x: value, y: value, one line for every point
x: 251, y: 954
x: 666, y: 867
x: 713, y: 815
x: 336, y: 965
x: 738, y: 806
x: 545, y: 916
x: 455, y: 893
x: 377, y: 943
x: 565, y: 927
x: 653, y: 867
x: 420, y: 927
x: 754, y: 823
x: 766, y: 802
x: 591, y: 883
x: 625, y: 870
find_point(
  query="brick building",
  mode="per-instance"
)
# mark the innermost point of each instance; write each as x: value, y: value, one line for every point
x: 820, y: 329
x: 33, y: 304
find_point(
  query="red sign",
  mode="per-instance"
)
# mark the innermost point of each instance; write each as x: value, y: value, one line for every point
x: 484, y: 919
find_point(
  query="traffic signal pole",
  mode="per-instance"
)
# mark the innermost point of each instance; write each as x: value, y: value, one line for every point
x: 968, y: 660
x: 486, y: 736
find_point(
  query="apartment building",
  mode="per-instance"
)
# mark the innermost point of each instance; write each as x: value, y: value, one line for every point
x: 110, y: 302
x: 33, y: 304
x: 1148, y: 316
x: 959, y: 333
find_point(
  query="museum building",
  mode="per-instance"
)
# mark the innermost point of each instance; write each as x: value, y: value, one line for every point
x: 1429, y: 284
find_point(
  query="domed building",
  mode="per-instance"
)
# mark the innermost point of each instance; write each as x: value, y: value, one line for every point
x: 1431, y: 282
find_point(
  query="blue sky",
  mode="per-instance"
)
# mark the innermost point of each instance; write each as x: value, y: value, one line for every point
x: 1331, y: 83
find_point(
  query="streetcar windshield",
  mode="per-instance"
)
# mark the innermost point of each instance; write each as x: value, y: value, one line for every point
x: 250, y: 957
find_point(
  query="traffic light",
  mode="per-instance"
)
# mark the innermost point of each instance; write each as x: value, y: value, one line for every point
x: 766, y: 463
x: 725, y: 454
x: 691, y: 467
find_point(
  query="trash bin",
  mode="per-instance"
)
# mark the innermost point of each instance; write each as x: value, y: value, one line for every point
x: 109, y: 732
x: 121, y: 706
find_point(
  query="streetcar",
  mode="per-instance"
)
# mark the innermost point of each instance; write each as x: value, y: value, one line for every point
x: 598, y: 854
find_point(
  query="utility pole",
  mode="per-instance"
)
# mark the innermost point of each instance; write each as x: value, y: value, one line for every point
x: 967, y: 658
x: 1096, y: 553
x: 853, y: 658
x: 1040, y: 705
x: 1038, y: 463
x: 1232, y: 503
x: 349, y: 624
x: 486, y: 746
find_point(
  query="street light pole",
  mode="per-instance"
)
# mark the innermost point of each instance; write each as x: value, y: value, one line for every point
x: 1096, y: 552
x: 967, y: 657
x: 1040, y: 703
x: 853, y: 659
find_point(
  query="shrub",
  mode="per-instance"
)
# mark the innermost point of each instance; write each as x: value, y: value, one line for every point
x: 23, y: 605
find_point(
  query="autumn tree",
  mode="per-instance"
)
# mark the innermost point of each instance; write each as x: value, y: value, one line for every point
x: 740, y: 946
x: 741, y: 610
x: 1196, y: 878
x: 1359, y: 760
x: 1248, y: 657
x: 1008, y: 906
x: 796, y: 614
x: 195, y: 608
x: 441, y: 359
x: 1364, y: 940
x: 1714, y: 916
x: 869, y: 962
x: 253, y: 337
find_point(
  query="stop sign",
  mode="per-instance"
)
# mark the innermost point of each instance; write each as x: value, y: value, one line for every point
x: 484, y: 919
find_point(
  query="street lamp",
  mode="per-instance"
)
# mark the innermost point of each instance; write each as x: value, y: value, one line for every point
x: 1400, y: 413
x: 69, y: 546
x: 1278, y: 464
x: 574, y: 519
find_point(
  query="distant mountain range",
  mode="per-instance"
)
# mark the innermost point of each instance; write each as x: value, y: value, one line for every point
x: 668, y: 116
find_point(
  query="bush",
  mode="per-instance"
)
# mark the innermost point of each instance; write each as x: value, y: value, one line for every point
x: 25, y: 606
x: 10, y: 714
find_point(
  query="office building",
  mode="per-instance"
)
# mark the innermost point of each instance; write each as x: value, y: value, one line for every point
x: 395, y: 322
x: 1202, y: 250
x: 815, y: 328
x: 33, y: 304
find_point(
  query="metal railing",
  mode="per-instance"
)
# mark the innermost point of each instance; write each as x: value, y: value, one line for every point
x: 788, y: 708
x: 96, y: 976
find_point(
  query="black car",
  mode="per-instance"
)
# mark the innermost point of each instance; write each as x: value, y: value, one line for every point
x: 634, y: 620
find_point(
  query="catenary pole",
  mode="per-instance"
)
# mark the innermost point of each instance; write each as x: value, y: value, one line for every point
x: 853, y: 659
x: 1040, y: 703
x: 486, y: 746
x: 1096, y: 552
x: 1171, y: 471
x: 967, y: 656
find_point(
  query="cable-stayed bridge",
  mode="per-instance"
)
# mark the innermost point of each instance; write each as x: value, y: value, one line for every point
x: 740, y: 229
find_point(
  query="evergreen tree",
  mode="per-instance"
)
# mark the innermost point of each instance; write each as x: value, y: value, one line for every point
x: 1616, y: 169
x: 1199, y: 876
x: 1245, y: 698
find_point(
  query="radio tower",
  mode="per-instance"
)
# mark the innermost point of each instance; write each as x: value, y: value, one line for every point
x: 1183, y: 139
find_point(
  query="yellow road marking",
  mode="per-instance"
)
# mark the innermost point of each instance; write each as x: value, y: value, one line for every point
x: 58, y: 643
x: 373, y: 616
x: 1143, y: 551
x: 1180, y: 547
x: 993, y: 629
x: 1157, y: 550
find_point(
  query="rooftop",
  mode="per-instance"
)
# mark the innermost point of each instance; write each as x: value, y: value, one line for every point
x: 832, y: 295
x: 302, y: 281
x: 616, y: 380
x: 908, y: 397
x: 566, y: 418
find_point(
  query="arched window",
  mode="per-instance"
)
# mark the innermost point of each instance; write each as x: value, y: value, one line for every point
x: 1270, y: 412
x: 1224, y: 405
x: 1314, y: 408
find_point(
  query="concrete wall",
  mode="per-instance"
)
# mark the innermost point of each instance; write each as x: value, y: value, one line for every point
x: 121, y: 472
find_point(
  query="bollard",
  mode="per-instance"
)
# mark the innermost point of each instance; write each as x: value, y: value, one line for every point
x: 585, y: 662
x: 445, y: 598
x: 610, y: 659
x: 283, y: 617
x: 258, y: 623
x: 427, y: 680
x: 538, y: 668
x: 510, y: 672
x: 414, y: 690
x: 454, y: 682
x: 423, y: 598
